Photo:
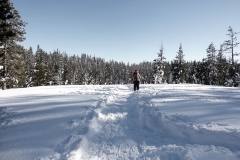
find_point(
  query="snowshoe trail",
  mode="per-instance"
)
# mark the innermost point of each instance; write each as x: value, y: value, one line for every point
x: 128, y: 124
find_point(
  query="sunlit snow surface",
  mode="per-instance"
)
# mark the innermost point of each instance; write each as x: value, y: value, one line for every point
x: 178, y: 122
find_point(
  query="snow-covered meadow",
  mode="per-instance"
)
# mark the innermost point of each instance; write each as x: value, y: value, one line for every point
x: 177, y: 122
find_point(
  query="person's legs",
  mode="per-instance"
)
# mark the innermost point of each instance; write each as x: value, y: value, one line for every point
x: 137, y: 85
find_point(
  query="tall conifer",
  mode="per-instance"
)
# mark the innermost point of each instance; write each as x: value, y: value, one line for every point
x: 11, y: 31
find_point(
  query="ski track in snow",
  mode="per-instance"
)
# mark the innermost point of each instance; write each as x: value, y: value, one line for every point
x: 152, y: 123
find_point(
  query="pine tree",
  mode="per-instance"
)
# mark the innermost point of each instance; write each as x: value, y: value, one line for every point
x: 128, y: 74
x: 29, y: 66
x: 233, y: 76
x: 231, y: 43
x: 211, y: 60
x: 74, y: 65
x: 116, y: 73
x: 159, y: 66
x: 77, y: 70
x: 203, y: 73
x: 167, y: 71
x: 57, y: 69
x: 178, y: 67
x: 49, y: 69
x: 95, y: 70
x: 211, y: 53
x: 83, y: 70
x: 11, y: 31
x: 66, y: 70
x: 146, y: 72
x: 108, y: 73
x: 221, y: 66
x: 174, y: 77
x: 101, y: 66
x: 191, y: 73
x: 16, y: 67
x: 40, y: 69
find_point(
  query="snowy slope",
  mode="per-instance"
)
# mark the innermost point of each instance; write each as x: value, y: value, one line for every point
x: 185, y: 122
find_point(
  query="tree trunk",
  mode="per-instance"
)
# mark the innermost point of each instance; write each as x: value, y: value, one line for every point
x: 232, y: 52
x: 4, y: 87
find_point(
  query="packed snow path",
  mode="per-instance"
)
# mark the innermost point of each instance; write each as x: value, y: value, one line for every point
x: 184, y: 122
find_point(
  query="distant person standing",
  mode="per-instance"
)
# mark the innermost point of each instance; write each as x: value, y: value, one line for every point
x: 136, y: 80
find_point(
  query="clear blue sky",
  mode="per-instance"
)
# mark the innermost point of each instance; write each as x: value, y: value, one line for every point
x: 128, y: 30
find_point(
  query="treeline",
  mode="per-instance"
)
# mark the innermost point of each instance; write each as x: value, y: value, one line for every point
x: 58, y: 68
x: 212, y: 70
x: 41, y: 68
x: 215, y: 69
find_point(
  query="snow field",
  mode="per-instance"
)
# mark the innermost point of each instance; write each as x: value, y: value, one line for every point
x: 184, y: 122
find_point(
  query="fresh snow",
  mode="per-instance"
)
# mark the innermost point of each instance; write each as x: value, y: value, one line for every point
x: 177, y: 122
